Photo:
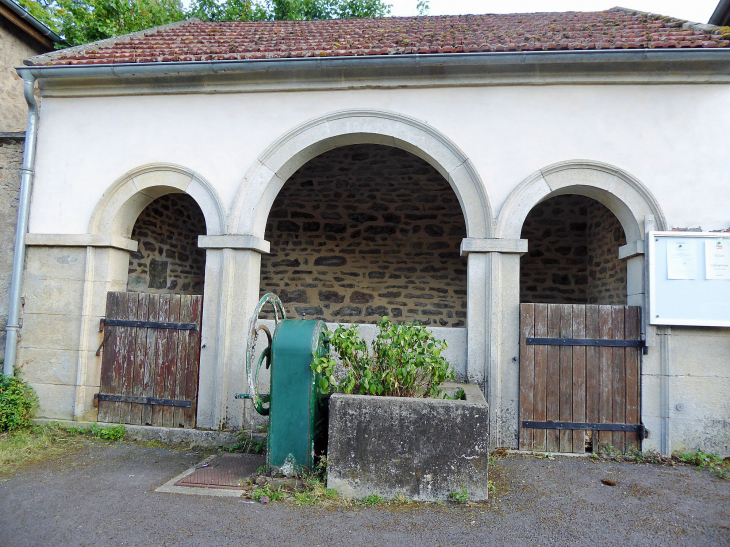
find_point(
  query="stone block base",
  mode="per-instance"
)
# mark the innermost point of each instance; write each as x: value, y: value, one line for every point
x: 424, y: 449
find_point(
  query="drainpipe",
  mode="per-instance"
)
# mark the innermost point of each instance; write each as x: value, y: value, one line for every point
x: 26, y: 182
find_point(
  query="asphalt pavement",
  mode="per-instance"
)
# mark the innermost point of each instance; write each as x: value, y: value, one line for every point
x: 104, y: 495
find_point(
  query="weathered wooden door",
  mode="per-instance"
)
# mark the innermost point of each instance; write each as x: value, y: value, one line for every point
x: 580, y: 373
x: 151, y: 359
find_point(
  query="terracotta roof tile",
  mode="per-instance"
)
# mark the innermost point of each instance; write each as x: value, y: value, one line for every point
x: 194, y: 40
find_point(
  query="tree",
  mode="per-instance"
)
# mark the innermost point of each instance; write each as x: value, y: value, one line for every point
x: 83, y: 21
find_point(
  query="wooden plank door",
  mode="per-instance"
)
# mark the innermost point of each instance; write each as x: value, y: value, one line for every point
x: 579, y: 372
x: 151, y: 359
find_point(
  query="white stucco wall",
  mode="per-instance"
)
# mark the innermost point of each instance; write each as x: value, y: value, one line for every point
x: 669, y: 137
x: 666, y: 136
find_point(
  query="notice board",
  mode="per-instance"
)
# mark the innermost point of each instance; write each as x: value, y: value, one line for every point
x: 689, y: 278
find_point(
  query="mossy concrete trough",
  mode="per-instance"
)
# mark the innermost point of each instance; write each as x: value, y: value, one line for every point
x: 424, y: 449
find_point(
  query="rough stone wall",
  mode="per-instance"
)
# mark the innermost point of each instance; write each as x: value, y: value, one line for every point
x: 573, y: 253
x: 14, y: 47
x: 168, y: 259
x: 11, y: 160
x: 606, y: 272
x: 365, y: 231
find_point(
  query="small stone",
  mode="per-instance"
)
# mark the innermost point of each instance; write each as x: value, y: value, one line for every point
x: 330, y: 261
x: 264, y: 500
x: 359, y: 297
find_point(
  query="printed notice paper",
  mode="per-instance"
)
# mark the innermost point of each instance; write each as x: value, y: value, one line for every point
x: 681, y: 260
x: 717, y: 259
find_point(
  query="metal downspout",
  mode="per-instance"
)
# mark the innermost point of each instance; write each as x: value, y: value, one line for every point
x: 26, y: 182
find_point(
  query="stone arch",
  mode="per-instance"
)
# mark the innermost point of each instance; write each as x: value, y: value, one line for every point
x: 267, y: 176
x: 122, y: 203
x: 627, y: 198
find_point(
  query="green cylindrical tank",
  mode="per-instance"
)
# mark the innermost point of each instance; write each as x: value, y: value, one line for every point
x: 297, y: 407
x: 297, y: 418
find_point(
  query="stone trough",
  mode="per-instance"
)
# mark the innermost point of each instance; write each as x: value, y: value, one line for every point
x: 424, y: 449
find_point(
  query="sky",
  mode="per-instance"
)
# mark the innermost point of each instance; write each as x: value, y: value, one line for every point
x: 698, y: 11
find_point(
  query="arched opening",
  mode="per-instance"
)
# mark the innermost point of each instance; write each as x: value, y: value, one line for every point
x: 573, y: 255
x: 168, y: 260
x: 150, y: 365
x: 367, y: 230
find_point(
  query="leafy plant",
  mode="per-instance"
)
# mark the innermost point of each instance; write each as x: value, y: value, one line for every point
x: 18, y: 402
x: 460, y: 497
x: 404, y: 361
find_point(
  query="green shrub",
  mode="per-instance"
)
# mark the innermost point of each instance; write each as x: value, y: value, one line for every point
x: 18, y: 402
x: 405, y: 361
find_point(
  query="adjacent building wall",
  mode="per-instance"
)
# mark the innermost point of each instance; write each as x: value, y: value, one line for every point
x: 15, y: 46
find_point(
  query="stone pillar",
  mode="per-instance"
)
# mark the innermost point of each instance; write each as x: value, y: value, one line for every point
x: 65, y: 284
x: 493, y: 330
x: 232, y: 274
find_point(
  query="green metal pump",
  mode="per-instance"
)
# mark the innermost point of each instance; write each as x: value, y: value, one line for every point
x: 297, y: 408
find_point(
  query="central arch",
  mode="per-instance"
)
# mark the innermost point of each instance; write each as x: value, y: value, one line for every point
x: 284, y: 157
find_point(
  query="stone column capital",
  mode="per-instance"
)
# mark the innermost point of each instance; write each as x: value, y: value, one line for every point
x: 493, y: 245
x: 235, y: 241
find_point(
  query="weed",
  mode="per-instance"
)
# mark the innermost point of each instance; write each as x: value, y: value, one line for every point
x: 699, y: 458
x: 372, y: 499
x: 108, y: 433
x: 315, y: 493
x: 26, y: 446
x: 247, y: 444
x: 491, y: 487
x: 273, y: 495
x: 704, y: 460
x: 400, y: 498
x: 460, y: 497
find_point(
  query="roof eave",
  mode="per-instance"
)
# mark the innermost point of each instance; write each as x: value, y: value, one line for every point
x: 591, y: 66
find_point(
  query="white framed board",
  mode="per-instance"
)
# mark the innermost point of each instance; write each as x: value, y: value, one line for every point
x: 689, y: 278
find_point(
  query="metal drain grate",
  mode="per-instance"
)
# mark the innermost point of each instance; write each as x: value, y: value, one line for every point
x: 225, y: 471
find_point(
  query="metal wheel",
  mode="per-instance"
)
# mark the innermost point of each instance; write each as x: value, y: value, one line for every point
x: 252, y: 374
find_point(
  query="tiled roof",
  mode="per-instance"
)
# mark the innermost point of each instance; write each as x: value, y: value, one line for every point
x: 194, y: 40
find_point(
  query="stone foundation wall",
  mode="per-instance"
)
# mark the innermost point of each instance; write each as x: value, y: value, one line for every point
x: 365, y: 231
x: 573, y: 253
x: 168, y: 259
x: 11, y: 160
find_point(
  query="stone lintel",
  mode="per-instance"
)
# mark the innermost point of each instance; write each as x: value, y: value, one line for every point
x: 632, y: 249
x: 81, y: 240
x: 474, y: 245
x: 234, y: 241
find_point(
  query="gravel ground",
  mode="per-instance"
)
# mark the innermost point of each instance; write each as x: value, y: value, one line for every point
x: 104, y: 495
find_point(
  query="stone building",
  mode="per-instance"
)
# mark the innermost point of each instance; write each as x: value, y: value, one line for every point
x: 21, y: 36
x: 442, y: 169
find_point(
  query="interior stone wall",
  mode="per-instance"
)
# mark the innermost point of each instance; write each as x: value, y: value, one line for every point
x: 168, y: 259
x: 606, y: 272
x: 365, y: 231
x: 573, y: 253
